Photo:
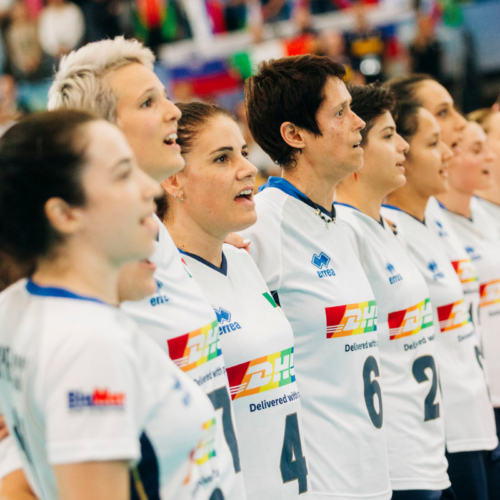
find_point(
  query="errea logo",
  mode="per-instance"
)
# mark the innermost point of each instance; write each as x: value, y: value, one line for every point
x: 472, y: 253
x: 395, y: 276
x: 433, y: 268
x: 322, y: 261
x: 441, y: 230
x: 224, y: 316
x: 158, y: 297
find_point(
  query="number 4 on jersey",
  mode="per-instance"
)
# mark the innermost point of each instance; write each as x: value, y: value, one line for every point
x: 293, y: 463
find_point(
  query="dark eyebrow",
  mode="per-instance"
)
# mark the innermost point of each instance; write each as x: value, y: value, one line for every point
x: 123, y: 162
x: 390, y: 127
x: 223, y: 148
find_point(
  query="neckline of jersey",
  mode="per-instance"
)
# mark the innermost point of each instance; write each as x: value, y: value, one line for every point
x: 291, y: 190
x: 454, y: 213
x: 52, y: 291
x: 381, y: 221
x: 222, y: 269
x: 405, y: 212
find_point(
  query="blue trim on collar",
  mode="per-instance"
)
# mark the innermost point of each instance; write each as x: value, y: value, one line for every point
x: 291, y: 190
x: 399, y: 210
x: 441, y: 205
x: 222, y: 269
x: 50, y: 291
x: 381, y: 221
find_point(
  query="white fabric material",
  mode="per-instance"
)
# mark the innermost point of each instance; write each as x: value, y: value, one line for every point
x: 181, y: 321
x: 61, y: 28
x: 484, y: 252
x: 406, y: 337
x: 493, y: 211
x: 325, y: 295
x: 80, y: 382
x: 257, y: 341
x: 468, y: 414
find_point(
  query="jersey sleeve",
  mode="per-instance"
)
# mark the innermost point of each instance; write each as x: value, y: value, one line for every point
x: 265, y: 237
x: 10, y: 459
x: 94, y: 399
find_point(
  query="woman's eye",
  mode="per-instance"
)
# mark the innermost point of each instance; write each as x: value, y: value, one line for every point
x: 221, y: 159
x: 244, y: 154
x: 147, y: 103
x: 388, y: 136
x: 340, y: 113
x: 443, y: 113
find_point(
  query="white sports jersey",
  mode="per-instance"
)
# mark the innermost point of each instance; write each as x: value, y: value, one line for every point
x: 80, y: 382
x: 325, y: 295
x: 413, y: 422
x: 493, y: 211
x: 468, y: 415
x: 437, y: 220
x: 257, y: 341
x: 181, y: 320
x: 484, y: 252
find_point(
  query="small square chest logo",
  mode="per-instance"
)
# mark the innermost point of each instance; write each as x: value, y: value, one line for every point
x: 322, y: 262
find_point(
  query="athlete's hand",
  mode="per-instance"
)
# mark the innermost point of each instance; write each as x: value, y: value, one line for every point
x: 237, y: 241
x: 4, y: 432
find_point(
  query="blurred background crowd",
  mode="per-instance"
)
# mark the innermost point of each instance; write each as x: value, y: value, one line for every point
x: 206, y: 48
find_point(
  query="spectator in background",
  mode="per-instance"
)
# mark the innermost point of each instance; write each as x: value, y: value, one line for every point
x: 61, y: 27
x: 9, y: 111
x: 425, y: 50
x: 25, y: 51
x: 365, y: 47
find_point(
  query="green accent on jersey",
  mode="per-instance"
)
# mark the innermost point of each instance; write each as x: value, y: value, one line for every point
x: 270, y: 299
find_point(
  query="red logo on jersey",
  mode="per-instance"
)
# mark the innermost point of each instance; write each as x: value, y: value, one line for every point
x: 465, y: 270
x: 490, y: 293
x: 99, y: 398
x: 410, y: 321
x: 452, y: 316
x: 351, y: 319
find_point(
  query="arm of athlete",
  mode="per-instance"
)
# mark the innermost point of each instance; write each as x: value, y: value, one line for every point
x: 93, y: 481
x: 14, y: 486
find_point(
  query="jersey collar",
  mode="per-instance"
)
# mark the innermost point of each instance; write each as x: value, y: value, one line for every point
x: 399, y: 210
x: 291, y: 190
x: 222, y: 269
x: 459, y: 215
x: 50, y: 291
x: 381, y: 221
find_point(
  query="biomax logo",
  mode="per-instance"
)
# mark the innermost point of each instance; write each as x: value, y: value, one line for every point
x: 465, y: 270
x: 224, y: 316
x: 433, y: 268
x: 322, y: 261
x: 351, y: 319
x: 158, y: 299
x: 395, y: 276
x: 195, y: 348
x: 410, y: 321
x: 261, y: 374
x: 452, y: 316
x: 100, y: 398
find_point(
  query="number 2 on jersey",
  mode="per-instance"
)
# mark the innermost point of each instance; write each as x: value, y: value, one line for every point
x: 431, y: 409
x: 292, y: 448
x: 372, y: 388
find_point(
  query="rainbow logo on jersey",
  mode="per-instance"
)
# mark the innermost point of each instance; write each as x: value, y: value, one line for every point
x: 410, y: 321
x: 195, y: 348
x: 262, y: 374
x: 465, y: 270
x: 206, y: 448
x: 351, y: 319
x: 452, y: 316
x: 489, y: 293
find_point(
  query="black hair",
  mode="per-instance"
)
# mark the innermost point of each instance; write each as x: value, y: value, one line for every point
x: 369, y: 102
x: 405, y: 87
x: 41, y: 157
x: 290, y: 89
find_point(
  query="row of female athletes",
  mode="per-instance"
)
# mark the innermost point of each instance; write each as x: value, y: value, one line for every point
x: 327, y: 351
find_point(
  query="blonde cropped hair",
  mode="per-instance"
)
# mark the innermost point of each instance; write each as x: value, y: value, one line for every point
x: 481, y: 116
x: 80, y: 81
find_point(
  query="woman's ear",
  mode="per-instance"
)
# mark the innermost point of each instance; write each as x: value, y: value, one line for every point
x: 171, y: 185
x: 292, y: 135
x: 64, y: 218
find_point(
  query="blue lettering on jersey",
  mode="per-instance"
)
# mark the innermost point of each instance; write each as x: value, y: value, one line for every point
x: 160, y: 299
x: 433, y: 267
x: 100, y: 398
x: 441, y: 230
x: 322, y: 261
x: 224, y: 316
x: 395, y: 276
x: 472, y: 253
